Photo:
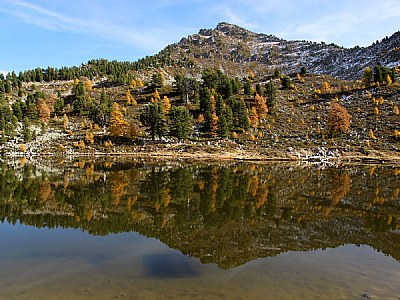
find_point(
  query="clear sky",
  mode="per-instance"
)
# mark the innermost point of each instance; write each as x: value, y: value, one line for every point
x: 41, y: 33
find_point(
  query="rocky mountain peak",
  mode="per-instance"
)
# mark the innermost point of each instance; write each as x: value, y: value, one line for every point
x: 235, y: 50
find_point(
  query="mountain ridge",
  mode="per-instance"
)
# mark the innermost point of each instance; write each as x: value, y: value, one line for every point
x: 235, y: 50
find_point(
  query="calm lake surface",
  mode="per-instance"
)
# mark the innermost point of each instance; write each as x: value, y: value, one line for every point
x: 155, y: 230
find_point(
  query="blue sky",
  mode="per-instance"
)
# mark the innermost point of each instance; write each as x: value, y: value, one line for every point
x: 41, y: 33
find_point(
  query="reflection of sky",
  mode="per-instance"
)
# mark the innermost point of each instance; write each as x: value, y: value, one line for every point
x: 45, y: 263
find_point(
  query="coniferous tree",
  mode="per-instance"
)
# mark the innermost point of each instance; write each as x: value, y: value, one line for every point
x: 181, y: 122
x: 378, y: 74
x: 270, y: 93
x: 118, y: 124
x: 80, y: 98
x: 367, y: 77
x: 393, y: 75
x: 247, y: 88
x: 286, y: 82
x: 154, y: 119
x: 259, y: 89
x: 27, y: 130
x: 223, y: 127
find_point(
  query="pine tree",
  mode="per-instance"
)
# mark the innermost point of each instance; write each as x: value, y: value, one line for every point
x: 270, y: 93
x: 242, y: 115
x: 223, y: 127
x: 286, y: 82
x: 393, y: 75
x: 378, y: 74
x: 181, y: 122
x: 27, y: 130
x: 154, y: 119
x: 80, y: 98
x: 247, y: 88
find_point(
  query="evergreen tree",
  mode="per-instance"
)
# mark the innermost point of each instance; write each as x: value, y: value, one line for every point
x: 2, y: 87
x: 259, y: 89
x: 27, y: 130
x: 247, y: 88
x: 154, y: 119
x: 286, y: 82
x: 241, y: 116
x: 270, y: 93
x: 223, y: 127
x: 156, y: 81
x: 181, y: 122
x: 378, y: 74
x: 393, y: 75
x: 80, y: 98
x: 277, y: 73
x: 8, y: 87
x: 17, y: 109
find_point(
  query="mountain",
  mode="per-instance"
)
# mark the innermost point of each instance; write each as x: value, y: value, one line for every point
x: 236, y: 50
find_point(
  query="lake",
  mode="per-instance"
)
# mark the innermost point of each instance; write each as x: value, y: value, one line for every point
x: 138, y: 229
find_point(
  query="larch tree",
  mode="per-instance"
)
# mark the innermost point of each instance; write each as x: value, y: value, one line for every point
x: 253, y: 115
x: 166, y: 104
x: 367, y: 77
x: 88, y: 85
x: 214, y: 128
x: 325, y: 88
x: 65, y: 122
x: 118, y: 124
x: 156, y: 95
x: 338, y: 118
x: 261, y: 106
x: 43, y: 110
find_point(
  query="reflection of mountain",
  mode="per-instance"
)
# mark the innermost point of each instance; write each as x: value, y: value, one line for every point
x: 224, y: 214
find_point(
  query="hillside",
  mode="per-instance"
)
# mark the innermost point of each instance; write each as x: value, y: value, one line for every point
x: 189, y: 101
x: 235, y: 50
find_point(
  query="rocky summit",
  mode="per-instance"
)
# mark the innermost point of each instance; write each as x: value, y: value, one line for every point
x: 235, y: 50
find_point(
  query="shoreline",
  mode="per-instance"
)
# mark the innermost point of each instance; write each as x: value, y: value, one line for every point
x: 378, y: 157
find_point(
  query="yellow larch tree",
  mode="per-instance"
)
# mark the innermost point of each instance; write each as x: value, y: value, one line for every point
x: 166, y: 104
x: 325, y: 88
x: 117, y: 122
x: 156, y: 95
x: 43, y: 110
x: 253, y: 115
x: 88, y: 85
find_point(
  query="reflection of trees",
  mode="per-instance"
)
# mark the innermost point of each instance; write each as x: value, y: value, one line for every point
x: 174, y: 203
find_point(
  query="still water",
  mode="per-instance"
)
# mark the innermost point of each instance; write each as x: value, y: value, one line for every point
x: 155, y: 230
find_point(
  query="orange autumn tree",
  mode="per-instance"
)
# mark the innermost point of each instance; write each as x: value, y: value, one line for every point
x: 43, y: 110
x: 261, y: 106
x: 117, y: 122
x: 338, y: 118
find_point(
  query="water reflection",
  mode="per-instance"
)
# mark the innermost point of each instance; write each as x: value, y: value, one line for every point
x: 225, y: 214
